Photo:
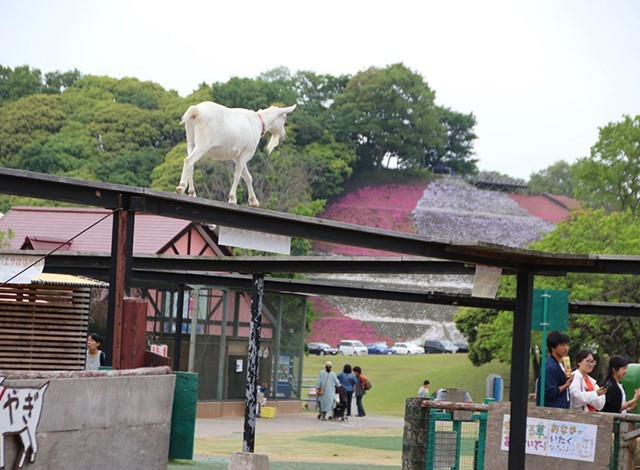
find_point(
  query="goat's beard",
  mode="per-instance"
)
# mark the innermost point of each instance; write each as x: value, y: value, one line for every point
x: 273, y: 143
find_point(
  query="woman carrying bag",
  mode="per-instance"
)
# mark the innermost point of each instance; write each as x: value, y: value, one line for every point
x: 326, y: 385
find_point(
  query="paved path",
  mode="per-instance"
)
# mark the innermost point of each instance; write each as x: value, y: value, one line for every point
x: 306, y: 421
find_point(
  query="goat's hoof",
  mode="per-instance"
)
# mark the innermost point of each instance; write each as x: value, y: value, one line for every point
x: 254, y: 203
x: 232, y: 201
x: 180, y: 190
x: 192, y: 193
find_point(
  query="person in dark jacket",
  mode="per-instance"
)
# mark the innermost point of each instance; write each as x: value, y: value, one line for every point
x: 348, y: 381
x: 616, y: 397
x: 556, y: 390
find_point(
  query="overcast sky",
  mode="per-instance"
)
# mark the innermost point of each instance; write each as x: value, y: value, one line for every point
x: 540, y: 76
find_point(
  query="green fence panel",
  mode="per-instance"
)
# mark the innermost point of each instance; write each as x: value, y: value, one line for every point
x: 183, y: 416
x: 454, y: 444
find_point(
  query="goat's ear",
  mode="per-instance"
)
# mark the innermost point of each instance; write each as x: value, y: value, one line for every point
x: 288, y: 109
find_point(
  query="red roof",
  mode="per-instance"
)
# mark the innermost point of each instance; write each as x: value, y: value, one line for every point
x: 552, y: 209
x: 42, y: 226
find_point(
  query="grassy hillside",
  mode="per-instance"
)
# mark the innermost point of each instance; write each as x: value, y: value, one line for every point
x: 396, y: 378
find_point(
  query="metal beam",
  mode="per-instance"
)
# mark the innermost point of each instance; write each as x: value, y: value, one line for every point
x: 294, y: 286
x: 82, y: 192
x: 271, y: 264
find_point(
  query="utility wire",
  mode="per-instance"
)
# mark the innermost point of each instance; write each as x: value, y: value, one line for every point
x: 57, y: 248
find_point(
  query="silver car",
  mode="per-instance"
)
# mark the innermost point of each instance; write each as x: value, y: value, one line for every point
x: 351, y: 347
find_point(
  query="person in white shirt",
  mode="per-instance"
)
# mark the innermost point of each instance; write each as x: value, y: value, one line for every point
x: 423, y: 392
x: 95, y: 357
x: 584, y: 391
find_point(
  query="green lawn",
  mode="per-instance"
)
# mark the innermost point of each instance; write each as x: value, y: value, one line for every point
x: 396, y: 378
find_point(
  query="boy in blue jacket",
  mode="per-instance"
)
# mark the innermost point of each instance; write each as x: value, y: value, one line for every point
x: 557, y: 380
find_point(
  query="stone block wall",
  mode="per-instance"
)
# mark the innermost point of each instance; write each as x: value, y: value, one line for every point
x: 92, y: 419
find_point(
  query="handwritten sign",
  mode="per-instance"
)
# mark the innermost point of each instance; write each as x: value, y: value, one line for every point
x: 552, y: 438
x: 20, y: 409
x: 19, y: 269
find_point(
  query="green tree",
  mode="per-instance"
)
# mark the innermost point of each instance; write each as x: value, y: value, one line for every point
x: 123, y: 127
x: 144, y: 95
x: 610, y: 176
x: 314, y: 95
x: 166, y: 175
x: 57, y: 82
x: 86, y: 95
x: 27, y: 120
x: 327, y: 167
x: 458, y: 146
x: 251, y: 93
x: 131, y: 168
x: 489, y: 332
x: 388, y: 112
x: 24, y: 81
x: 63, y: 153
x: 556, y: 179
x: 18, y: 83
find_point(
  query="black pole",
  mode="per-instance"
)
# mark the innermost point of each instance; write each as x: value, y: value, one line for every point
x: 251, y: 400
x: 520, y: 352
x: 177, y: 347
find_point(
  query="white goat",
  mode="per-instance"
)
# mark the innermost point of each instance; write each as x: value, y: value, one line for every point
x: 229, y: 134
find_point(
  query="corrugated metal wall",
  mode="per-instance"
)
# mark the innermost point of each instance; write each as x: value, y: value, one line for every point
x: 43, y: 327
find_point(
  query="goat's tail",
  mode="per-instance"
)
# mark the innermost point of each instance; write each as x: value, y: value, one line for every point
x: 187, y: 120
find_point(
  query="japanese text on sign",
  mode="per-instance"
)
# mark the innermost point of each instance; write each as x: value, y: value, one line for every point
x: 561, y: 439
x: 12, y: 265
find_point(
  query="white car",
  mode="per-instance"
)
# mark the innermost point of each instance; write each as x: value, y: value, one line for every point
x: 350, y: 347
x: 407, y: 348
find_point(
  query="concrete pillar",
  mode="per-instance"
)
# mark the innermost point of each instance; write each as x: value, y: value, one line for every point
x: 249, y: 461
x: 414, y: 439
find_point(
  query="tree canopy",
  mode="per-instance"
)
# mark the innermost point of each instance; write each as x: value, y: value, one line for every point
x: 556, y: 179
x: 128, y: 131
x: 610, y: 176
x: 391, y: 112
x: 489, y: 332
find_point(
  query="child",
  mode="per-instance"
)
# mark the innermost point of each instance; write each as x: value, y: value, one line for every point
x: 423, y: 392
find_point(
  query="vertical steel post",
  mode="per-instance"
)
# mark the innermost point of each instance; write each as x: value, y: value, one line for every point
x: 119, y: 280
x: 302, y: 337
x: 276, y: 353
x: 222, y: 352
x: 177, y: 346
x: 520, y: 352
x: 543, y: 346
x: 193, y: 330
x: 250, y: 408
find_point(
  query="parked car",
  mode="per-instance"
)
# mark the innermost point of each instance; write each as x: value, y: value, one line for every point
x: 462, y: 346
x: 320, y: 349
x: 439, y: 346
x: 378, y: 348
x: 407, y: 348
x: 351, y: 347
